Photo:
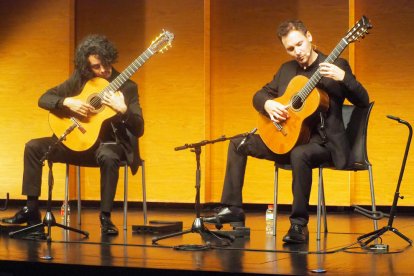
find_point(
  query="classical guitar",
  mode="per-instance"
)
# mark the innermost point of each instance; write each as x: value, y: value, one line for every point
x: 304, y: 102
x: 82, y: 133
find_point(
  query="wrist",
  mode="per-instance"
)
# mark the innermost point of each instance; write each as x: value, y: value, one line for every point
x: 66, y: 102
x: 60, y: 104
x: 123, y: 110
x: 266, y: 104
x: 342, y: 76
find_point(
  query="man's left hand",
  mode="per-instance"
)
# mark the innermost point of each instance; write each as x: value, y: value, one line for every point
x: 115, y: 100
x: 332, y: 71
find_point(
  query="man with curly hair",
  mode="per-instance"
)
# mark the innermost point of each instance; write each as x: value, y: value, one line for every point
x: 94, y: 58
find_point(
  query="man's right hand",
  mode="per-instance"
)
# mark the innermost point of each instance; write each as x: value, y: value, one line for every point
x: 277, y: 111
x: 78, y: 106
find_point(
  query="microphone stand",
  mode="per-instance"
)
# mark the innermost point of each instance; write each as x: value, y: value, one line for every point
x: 49, y: 219
x: 376, y: 234
x: 198, y: 225
x: 5, y: 203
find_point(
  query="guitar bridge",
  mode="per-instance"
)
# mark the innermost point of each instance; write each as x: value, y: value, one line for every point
x: 280, y: 128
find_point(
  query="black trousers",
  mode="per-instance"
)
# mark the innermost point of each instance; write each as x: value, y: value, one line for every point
x: 107, y: 156
x: 302, y: 158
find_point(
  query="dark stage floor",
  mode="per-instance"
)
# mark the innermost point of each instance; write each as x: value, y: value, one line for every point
x: 132, y: 253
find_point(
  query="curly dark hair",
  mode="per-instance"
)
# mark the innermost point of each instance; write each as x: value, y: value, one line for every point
x: 94, y: 45
x: 291, y: 25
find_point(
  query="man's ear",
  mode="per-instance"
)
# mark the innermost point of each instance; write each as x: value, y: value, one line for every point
x: 309, y: 36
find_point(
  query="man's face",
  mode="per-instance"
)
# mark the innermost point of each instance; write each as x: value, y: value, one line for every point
x: 98, y: 69
x: 299, y: 46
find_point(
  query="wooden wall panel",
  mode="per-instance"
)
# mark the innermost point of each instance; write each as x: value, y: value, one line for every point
x: 34, y: 56
x: 384, y: 64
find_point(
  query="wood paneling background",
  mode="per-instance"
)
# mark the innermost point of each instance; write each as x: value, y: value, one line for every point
x: 35, y: 54
x: 201, y: 88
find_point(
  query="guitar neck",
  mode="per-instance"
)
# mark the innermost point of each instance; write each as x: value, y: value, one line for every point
x: 316, y: 77
x: 161, y: 43
x: 129, y: 71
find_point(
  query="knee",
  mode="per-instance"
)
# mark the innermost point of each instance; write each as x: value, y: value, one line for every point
x: 298, y: 156
x: 238, y: 149
x: 235, y: 143
x: 108, y: 160
x: 32, y: 146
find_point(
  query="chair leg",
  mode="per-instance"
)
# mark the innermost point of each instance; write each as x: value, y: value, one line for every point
x: 78, y: 189
x: 371, y: 183
x: 321, y: 207
x: 66, y: 199
x: 275, y: 192
x: 325, y: 221
x: 125, y: 196
x: 144, y: 193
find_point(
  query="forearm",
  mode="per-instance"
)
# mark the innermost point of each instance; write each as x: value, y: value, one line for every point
x: 50, y: 100
x: 357, y: 94
x: 133, y: 121
x: 132, y: 118
x: 268, y: 92
x: 53, y: 98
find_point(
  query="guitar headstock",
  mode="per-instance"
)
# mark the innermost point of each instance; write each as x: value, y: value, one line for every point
x: 162, y: 42
x: 359, y: 30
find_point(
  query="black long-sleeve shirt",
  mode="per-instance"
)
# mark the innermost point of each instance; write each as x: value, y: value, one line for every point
x: 349, y: 88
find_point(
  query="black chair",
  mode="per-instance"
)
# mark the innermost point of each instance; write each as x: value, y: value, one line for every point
x: 125, y: 207
x: 356, y: 124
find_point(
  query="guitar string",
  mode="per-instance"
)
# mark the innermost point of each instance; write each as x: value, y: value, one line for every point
x: 118, y: 81
x: 307, y: 89
x: 315, y: 78
x: 121, y: 78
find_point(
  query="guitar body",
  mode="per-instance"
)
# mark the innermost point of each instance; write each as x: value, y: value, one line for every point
x: 78, y: 140
x: 296, y: 129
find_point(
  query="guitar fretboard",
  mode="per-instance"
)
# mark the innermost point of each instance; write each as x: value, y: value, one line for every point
x: 316, y: 77
x: 128, y: 72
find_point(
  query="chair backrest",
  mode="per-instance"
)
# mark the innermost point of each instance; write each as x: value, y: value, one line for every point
x: 356, y: 124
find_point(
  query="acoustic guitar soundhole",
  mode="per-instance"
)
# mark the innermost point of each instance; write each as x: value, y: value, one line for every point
x: 297, y: 102
x: 95, y: 101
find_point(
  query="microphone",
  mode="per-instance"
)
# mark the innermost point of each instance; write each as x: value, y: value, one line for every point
x: 245, y: 138
x: 181, y: 147
x: 396, y: 119
x: 78, y: 125
x: 393, y: 117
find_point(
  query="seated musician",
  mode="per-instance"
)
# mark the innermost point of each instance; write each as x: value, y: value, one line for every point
x: 94, y: 58
x: 327, y: 144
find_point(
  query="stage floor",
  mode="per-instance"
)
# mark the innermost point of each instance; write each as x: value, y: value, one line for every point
x: 130, y: 252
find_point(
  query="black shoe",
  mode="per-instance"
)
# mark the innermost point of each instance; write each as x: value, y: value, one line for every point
x: 233, y: 215
x: 107, y: 227
x: 297, y: 234
x: 25, y: 215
